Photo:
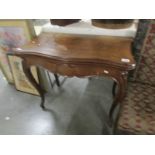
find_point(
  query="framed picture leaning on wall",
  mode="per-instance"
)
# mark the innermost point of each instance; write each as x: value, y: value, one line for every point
x: 15, y: 33
x: 21, y: 82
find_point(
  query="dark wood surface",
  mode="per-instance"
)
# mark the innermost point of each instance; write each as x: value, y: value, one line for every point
x: 81, y: 48
x: 80, y: 55
x: 63, y: 22
x: 112, y: 23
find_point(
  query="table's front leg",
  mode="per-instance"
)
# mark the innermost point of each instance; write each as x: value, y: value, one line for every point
x: 121, y: 82
x: 28, y: 73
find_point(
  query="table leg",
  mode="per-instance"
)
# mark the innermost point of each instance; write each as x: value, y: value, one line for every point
x: 121, y: 82
x: 114, y: 88
x: 57, y: 80
x: 27, y: 71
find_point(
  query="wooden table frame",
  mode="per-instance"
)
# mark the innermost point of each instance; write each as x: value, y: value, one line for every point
x: 60, y: 58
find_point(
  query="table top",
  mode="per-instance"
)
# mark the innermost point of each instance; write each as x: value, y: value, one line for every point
x: 81, y: 48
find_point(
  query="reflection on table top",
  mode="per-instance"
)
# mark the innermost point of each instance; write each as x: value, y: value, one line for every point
x: 81, y: 48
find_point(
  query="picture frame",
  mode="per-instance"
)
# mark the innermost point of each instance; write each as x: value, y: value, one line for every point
x: 15, y: 33
x: 6, y: 69
x: 21, y: 82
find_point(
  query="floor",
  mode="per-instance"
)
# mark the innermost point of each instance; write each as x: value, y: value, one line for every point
x: 80, y: 106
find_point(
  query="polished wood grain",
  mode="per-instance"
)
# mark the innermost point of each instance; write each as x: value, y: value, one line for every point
x: 80, y: 55
x: 81, y: 48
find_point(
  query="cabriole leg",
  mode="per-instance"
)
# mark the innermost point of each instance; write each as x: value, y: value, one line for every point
x: 121, y: 82
x: 27, y: 71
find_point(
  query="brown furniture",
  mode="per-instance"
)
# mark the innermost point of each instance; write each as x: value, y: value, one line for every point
x: 63, y: 22
x: 81, y: 56
x: 112, y: 23
x: 137, y: 111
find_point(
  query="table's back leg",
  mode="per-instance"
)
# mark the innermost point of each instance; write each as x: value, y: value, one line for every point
x: 114, y: 89
x: 57, y: 80
x: 27, y: 71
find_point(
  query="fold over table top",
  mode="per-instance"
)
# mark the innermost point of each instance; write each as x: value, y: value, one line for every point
x: 81, y: 48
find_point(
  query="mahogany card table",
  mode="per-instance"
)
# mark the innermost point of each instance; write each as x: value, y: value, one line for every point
x: 81, y: 56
